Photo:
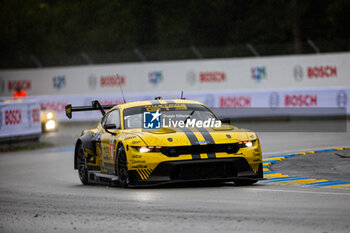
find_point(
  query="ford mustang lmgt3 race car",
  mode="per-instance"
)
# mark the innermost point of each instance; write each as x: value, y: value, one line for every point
x: 164, y: 141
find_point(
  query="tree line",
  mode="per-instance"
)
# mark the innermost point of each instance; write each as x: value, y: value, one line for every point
x: 63, y: 26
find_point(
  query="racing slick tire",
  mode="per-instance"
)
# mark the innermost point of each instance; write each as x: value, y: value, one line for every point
x: 122, y: 167
x: 82, y: 165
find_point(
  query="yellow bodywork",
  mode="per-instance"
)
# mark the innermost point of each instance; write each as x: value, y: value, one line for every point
x: 145, y: 163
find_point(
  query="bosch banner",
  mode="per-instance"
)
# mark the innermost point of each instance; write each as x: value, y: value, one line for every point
x: 19, y: 118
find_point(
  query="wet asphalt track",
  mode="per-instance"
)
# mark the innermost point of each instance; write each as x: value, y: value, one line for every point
x: 40, y: 192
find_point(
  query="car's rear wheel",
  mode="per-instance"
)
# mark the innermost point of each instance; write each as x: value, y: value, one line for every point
x: 244, y: 182
x: 82, y: 165
x: 122, y: 167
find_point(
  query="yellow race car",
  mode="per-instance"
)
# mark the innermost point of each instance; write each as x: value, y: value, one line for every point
x: 164, y: 141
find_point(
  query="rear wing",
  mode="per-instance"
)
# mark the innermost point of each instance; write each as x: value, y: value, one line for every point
x: 95, y: 105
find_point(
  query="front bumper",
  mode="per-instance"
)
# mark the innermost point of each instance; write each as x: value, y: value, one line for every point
x: 219, y: 169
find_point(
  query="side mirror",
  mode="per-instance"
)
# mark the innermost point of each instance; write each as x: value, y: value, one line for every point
x: 110, y: 126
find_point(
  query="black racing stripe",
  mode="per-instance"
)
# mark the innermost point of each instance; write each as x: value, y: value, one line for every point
x: 193, y: 139
x: 207, y: 137
x: 155, y: 102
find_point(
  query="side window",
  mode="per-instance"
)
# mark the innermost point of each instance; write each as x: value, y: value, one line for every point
x: 112, y: 117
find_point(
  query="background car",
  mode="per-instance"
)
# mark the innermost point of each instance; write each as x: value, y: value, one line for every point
x: 48, y: 120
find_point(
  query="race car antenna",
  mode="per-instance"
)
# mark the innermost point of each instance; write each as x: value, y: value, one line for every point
x: 182, y: 95
x: 121, y: 89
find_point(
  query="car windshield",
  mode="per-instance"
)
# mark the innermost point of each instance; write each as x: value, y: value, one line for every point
x: 133, y: 117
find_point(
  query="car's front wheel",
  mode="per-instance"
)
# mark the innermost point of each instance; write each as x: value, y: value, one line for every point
x: 122, y: 167
x: 82, y: 165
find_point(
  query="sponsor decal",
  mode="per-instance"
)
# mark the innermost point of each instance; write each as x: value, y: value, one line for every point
x: 92, y: 80
x: 322, y: 72
x: 155, y: 77
x: 59, y: 82
x: 176, y: 107
x: 258, y: 73
x: 342, y: 99
x: 57, y: 107
x: 274, y: 100
x: 300, y: 100
x: 25, y: 84
x: 235, y: 102
x: 13, y: 117
x: 111, y: 148
x: 212, y: 77
x: 112, y: 80
x: 298, y: 73
x: 35, y: 115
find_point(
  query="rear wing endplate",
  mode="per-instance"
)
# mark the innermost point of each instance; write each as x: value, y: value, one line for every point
x: 95, y: 105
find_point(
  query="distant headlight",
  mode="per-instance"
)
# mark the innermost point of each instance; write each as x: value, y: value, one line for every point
x: 49, y: 115
x: 50, y: 125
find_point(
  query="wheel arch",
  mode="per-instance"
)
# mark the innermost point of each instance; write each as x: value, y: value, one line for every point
x: 118, y: 145
x: 87, y: 141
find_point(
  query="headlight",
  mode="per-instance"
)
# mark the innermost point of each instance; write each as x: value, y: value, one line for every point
x: 146, y: 149
x: 49, y: 115
x: 50, y: 125
x: 246, y: 144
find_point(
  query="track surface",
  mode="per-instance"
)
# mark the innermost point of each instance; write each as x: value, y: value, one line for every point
x: 40, y: 192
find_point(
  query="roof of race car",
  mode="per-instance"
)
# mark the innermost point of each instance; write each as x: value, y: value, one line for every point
x: 156, y: 102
